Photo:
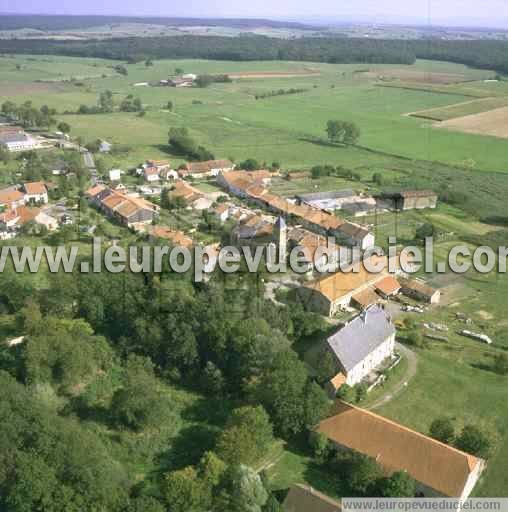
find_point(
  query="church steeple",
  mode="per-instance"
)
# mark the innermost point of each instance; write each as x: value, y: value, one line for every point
x: 280, y: 233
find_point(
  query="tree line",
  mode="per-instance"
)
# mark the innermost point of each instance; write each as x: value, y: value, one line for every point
x: 484, y: 54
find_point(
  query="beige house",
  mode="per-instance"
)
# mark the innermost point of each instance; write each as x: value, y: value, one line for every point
x: 438, y: 469
x: 36, y: 192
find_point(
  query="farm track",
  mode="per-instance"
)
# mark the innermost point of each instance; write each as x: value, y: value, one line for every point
x: 410, y: 373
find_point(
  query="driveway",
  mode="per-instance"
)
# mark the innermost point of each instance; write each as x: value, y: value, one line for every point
x: 412, y: 363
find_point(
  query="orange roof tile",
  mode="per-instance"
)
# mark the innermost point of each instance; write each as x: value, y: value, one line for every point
x: 10, y: 196
x: 365, y: 298
x: 35, y: 188
x: 388, y: 285
x: 92, y: 192
x: 398, y: 448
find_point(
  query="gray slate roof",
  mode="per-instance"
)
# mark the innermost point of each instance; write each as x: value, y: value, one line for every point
x: 355, y: 341
x: 12, y: 137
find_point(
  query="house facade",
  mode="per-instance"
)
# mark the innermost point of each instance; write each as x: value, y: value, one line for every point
x: 36, y: 192
x: 363, y: 344
x: 11, y: 198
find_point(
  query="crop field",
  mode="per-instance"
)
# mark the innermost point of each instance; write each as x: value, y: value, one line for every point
x: 416, y: 76
x: 462, y: 109
x: 493, y: 123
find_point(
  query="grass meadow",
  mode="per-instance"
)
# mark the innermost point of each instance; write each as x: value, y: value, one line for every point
x: 228, y: 120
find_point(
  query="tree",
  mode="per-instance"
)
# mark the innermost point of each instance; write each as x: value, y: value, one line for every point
x: 211, y: 469
x: 284, y: 391
x: 326, y: 366
x: 146, y: 504
x: 443, y: 430
x: 178, y: 71
x: 425, y: 230
x: 184, y: 492
x: 5, y: 155
x: 363, y: 473
x: 204, y: 80
x: 473, y: 440
x: 64, y: 127
x: 106, y: 102
x: 170, y: 106
x: 319, y: 445
x: 501, y: 364
x: 244, y: 491
x: 378, y: 179
x: 251, y: 164
x: 398, y: 485
x: 342, y: 132
x: 148, y: 63
x: 247, y: 436
x: 138, y: 403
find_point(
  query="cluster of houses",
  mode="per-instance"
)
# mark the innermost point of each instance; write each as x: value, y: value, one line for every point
x: 128, y: 209
x: 334, y: 292
x: 251, y: 186
x: 20, y: 205
x: 161, y: 170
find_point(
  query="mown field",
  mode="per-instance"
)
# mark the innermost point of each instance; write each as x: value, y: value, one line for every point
x: 228, y: 120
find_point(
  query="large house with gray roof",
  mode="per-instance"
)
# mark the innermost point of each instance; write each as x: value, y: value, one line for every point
x: 362, y: 345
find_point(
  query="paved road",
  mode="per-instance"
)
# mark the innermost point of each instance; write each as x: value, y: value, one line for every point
x: 412, y: 363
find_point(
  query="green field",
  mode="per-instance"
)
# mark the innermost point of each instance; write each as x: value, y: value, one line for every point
x: 463, y: 109
x: 230, y: 122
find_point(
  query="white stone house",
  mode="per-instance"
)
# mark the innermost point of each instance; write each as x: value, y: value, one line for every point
x: 115, y: 175
x: 363, y: 344
x: 36, y: 192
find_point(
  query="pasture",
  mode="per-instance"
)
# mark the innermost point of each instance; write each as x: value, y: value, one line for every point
x: 228, y: 120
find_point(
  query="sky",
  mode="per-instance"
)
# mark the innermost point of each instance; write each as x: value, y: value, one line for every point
x: 451, y: 12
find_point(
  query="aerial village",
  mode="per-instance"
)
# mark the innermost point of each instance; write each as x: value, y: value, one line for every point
x: 363, y: 308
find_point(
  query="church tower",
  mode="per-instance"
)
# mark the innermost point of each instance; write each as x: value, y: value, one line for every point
x: 280, y: 234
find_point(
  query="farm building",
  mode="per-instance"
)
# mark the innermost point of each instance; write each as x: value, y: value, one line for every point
x: 255, y: 230
x: 414, y: 199
x: 334, y: 292
x: 208, y: 168
x: 185, y: 191
x: 302, y: 498
x: 387, y: 287
x: 417, y: 289
x: 15, y: 139
x: 128, y: 209
x: 329, y: 201
x: 363, y: 344
x: 438, y: 469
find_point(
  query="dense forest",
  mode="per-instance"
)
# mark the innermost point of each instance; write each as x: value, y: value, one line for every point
x: 144, y: 392
x: 55, y: 22
x: 479, y: 54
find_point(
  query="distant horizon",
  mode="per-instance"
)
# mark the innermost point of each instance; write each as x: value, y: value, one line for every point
x: 336, y: 20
